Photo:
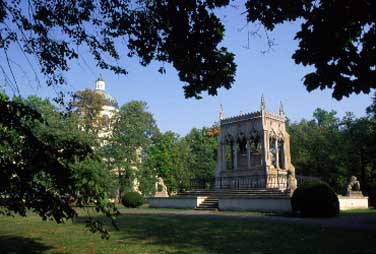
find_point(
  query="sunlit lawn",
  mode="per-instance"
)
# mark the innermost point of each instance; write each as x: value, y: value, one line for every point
x: 180, y: 234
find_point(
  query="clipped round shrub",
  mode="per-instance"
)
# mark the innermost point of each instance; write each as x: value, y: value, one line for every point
x: 132, y: 199
x: 315, y: 199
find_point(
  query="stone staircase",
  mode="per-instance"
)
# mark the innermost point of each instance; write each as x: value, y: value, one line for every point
x: 250, y: 193
x: 210, y: 203
x: 213, y: 196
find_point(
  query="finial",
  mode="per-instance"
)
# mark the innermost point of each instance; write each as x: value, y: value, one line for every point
x: 281, y: 109
x: 263, y: 103
x: 221, y: 113
x: 100, y: 77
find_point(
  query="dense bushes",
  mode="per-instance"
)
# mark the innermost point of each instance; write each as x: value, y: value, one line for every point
x: 132, y: 199
x: 315, y: 199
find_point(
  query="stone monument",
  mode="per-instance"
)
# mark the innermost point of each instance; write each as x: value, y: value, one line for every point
x: 254, y: 151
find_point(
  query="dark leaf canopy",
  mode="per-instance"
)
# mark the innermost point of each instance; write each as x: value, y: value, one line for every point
x: 337, y: 38
x: 183, y: 33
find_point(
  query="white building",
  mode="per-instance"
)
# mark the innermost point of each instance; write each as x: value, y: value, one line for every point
x: 109, y: 109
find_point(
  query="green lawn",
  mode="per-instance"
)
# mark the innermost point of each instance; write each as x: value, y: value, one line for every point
x: 180, y: 234
x: 358, y: 212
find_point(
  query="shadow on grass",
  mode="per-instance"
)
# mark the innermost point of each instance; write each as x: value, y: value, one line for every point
x: 190, y: 234
x: 15, y: 244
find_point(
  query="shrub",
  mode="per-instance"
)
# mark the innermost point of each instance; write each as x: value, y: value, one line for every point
x: 315, y: 199
x: 132, y: 199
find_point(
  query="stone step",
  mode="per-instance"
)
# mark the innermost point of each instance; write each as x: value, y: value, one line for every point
x: 216, y: 195
x: 233, y: 194
x: 219, y: 193
x: 206, y: 209
x: 234, y: 191
x: 209, y: 203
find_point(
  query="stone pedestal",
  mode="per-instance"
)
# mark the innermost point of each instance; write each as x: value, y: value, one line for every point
x: 354, y: 194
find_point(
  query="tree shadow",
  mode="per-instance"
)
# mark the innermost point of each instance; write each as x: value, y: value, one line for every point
x: 10, y: 244
x: 191, y: 234
x: 169, y: 233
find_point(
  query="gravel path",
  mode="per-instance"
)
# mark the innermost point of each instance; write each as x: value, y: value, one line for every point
x: 350, y: 221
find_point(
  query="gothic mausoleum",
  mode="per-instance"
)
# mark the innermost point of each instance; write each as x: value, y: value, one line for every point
x: 254, y: 169
x: 254, y: 151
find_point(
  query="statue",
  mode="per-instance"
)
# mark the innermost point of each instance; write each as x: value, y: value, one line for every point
x: 160, y: 188
x: 353, y: 187
x: 292, y: 183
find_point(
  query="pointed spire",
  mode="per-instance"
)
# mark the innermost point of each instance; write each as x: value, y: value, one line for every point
x: 281, y: 109
x: 221, y: 112
x: 263, y: 107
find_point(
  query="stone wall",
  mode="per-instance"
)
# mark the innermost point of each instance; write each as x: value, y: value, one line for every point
x: 348, y: 202
x: 254, y: 204
x: 176, y: 202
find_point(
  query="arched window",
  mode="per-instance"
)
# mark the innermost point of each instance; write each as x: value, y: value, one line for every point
x: 106, y: 121
x: 255, y: 145
x: 229, y: 152
x: 281, y: 153
x: 273, y: 151
x: 242, y: 142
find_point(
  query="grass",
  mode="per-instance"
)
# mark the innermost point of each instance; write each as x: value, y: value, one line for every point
x: 359, y: 212
x: 180, y: 235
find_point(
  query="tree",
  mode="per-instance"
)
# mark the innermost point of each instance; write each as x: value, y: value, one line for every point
x: 203, y: 149
x: 335, y: 149
x: 162, y: 156
x: 183, y: 33
x: 317, y: 148
x: 88, y: 104
x: 47, y: 164
x: 134, y: 128
x: 371, y: 109
x: 177, y: 160
x: 337, y: 38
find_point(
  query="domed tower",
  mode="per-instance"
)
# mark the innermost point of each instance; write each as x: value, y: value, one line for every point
x: 109, y: 109
x: 100, y: 88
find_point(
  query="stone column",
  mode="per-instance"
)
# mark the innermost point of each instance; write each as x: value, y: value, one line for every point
x: 234, y: 150
x: 249, y: 154
x: 276, y: 153
x: 265, y: 150
x: 283, y: 155
x: 223, y: 156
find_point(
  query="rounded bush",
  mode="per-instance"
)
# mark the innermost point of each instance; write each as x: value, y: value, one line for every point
x: 315, y: 199
x: 132, y: 199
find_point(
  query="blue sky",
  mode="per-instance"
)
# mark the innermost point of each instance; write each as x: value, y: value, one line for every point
x: 273, y: 74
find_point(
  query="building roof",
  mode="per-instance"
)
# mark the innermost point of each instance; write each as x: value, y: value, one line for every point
x: 109, y: 98
x: 100, y: 88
